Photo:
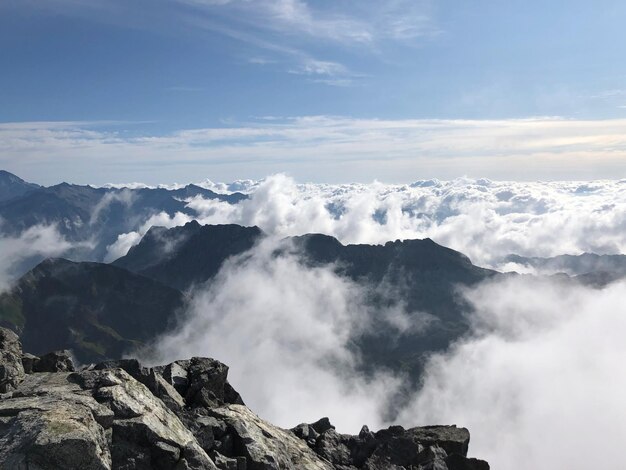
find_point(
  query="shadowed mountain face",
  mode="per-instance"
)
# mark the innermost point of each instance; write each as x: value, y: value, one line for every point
x: 102, y: 311
x: 84, y: 213
x: 183, y: 256
x: 96, y: 310
x: 420, y: 276
x: 11, y: 186
x: 587, y: 268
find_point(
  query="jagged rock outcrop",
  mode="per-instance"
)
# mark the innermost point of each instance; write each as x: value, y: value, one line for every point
x: 421, y: 448
x: 11, y: 368
x: 185, y: 415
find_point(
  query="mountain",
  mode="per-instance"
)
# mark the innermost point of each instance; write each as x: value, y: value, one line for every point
x: 91, y: 217
x: 587, y: 268
x: 12, y: 186
x: 184, y: 415
x: 420, y: 276
x: 191, y: 254
x: 96, y: 310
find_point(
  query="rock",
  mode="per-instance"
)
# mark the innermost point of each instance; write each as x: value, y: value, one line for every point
x: 206, y: 382
x: 226, y: 463
x: 265, y: 446
x: 457, y: 462
x: 450, y: 438
x: 423, y: 448
x: 119, y: 415
x: 176, y: 375
x: 29, y: 361
x: 11, y: 368
x: 56, y: 361
x: 52, y: 427
x: 322, y: 425
x: 307, y: 433
x: 93, y: 419
x: 334, y: 447
x: 155, y: 382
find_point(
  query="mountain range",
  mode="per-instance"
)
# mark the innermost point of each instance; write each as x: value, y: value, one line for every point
x: 93, y: 216
x: 102, y: 311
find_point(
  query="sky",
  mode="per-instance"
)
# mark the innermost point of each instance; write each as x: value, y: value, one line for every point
x: 163, y: 91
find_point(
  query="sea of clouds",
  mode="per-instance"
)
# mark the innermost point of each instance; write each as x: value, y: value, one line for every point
x: 537, y: 380
x: 486, y: 220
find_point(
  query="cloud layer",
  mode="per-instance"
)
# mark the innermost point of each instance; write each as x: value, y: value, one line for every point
x: 536, y: 380
x: 539, y: 382
x: 321, y: 148
x: 483, y: 219
x: 285, y: 330
x: 35, y: 243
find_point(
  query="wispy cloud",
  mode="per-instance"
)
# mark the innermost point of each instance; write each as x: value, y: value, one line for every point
x: 283, y: 33
x: 327, y: 148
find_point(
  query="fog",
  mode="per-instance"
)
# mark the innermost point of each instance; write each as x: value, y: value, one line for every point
x: 35, y: 243
x: 540, y: 381
x: 285, y: 329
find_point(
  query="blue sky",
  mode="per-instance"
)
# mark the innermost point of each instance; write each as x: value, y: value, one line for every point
x: 109, y: 76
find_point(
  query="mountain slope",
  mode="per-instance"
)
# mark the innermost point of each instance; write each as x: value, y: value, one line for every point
x: 419, y: 276
x: 12, y: 186
x: 91, y: 217
x: 183, y: 256
x: 97, y: 310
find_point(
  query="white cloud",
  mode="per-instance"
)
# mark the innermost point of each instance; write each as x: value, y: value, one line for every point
x: 320, y: 67
x: 486, y: 220
x: 483, y: 219
x: 125, y: 241
x: 326, y: 148
x: 35, y: 242
x: 535, y: 381
x: 125, y: 197
x: 285, y: 329
x: 539, y: 383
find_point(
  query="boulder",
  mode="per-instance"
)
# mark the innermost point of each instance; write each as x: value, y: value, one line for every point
x: 264, y: 446
x: 422, y: 448
x: 29, y: 362
x: 456, y: 462
x: 56, y: 361
x: 11, y: 368
x: 207, y: 384
x: 93, y: 419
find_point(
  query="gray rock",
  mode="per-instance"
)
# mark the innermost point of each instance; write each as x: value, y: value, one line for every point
x: 450, y: 438
x: 176, y: 375
x: 265, y: 446
x: 322, y: 425
x: 307, y: 433
x: 120, y: 415
x: 53, y: 426
x: 29, y: 361
x: 150, y: 377
x: 458, y: 462
x: 56, y: 361
x: 423, y: 448
x: 94, y: 420
x: 11, y: 368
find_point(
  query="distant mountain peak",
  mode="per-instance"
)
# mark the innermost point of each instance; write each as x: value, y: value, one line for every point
x: 12, y: 186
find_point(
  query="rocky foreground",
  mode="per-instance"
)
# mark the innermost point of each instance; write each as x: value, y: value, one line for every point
x: 185, y: 415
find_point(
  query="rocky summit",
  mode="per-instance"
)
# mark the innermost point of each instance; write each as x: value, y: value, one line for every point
x: 184, y: 415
